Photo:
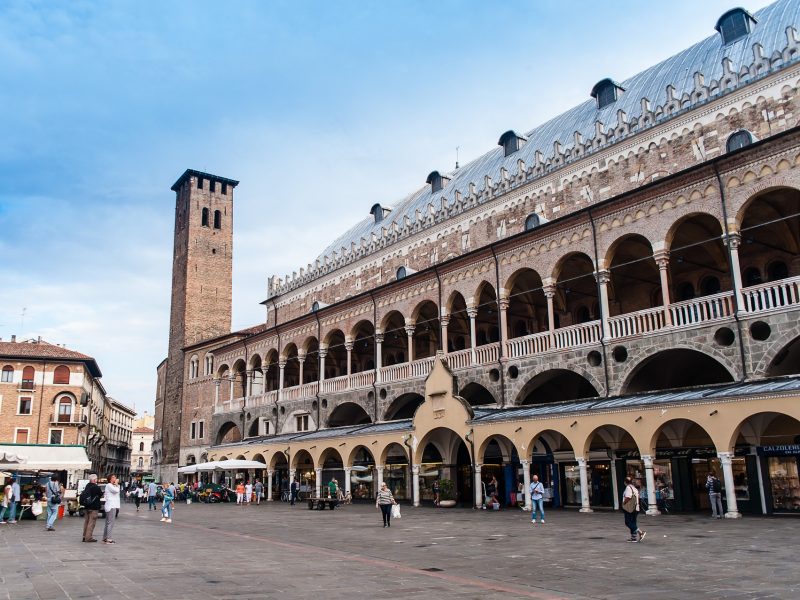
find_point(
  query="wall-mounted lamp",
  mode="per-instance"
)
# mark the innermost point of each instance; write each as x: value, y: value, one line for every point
x: 574, y: 423
x: 639, y: 418
x: 518, y: 429
x: 342, y: 444
x: 374, y: 442
x: 713, y: 412
x: 312, y: 448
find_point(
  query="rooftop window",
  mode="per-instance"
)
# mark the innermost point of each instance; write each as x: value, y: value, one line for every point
x: 606, y: 91
x: 437, y: 181
x: 734, y: 25
x: 740, y: 139
x: 511, y: 142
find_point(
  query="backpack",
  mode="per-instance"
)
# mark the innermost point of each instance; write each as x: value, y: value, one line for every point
x: 716, y: 486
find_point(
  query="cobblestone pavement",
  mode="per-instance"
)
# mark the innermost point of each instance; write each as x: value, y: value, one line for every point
x: 274, y: 551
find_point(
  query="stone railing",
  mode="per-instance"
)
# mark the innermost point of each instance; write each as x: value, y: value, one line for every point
x: 536, y: 343
x: 577, y: 335
x: 460, y: 359
x: 334, y: 384
x: 702, y: 310
x: 360, y: 380
x: 637, y: 323
x: 772, y: 296
x: 488, y: 353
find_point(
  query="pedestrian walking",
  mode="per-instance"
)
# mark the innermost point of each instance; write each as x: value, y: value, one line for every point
x: 10, y: 499
x: 90, y: 500
x: 491, y: 491
x: 435, y: 491
x: 239, y: 493
x: 333, y: 487
x: 54, y: 492
x: 537, y: 499
x: 295, y: 489
x: 248, y: 493
x: 112, y: 504
x: 714, y: 488
x: 166, y: 507
x: 152, y: 495
x: 385, y: 500
x: 137, y: 492
x: 259, y: 487
x: 630, y: 507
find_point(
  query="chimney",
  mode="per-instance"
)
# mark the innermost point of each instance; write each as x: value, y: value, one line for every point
x: 13, y: 339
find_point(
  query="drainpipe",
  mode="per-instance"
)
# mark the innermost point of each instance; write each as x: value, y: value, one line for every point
x: 600, y: 305
x: 247, y: 387
x: 319, y: 365
x: 277, y: 411
x: 41, y: 405
x: 736, y: 306
x: 439, y: 280
x: 501, y: 353
x: 375, y: 356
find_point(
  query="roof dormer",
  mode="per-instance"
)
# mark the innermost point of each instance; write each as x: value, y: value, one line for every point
x: 734, y: 24
x: 437, y: 181
x: 379, y: 212
x: 511, y: 142
x: 606, y: 91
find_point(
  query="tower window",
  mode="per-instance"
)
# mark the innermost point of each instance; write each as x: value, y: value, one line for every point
x: 401, y: 273
x: 224, y: 189
x: 204, y: 221
x: 61, y: 375
x: 199, y: 183
x: 217, y: 220
x: 8, y: 374
x: 740, y: 139
x: 532, y: 221
x: 734, y: 25
x: 606, y: 92
x: 212, y: 186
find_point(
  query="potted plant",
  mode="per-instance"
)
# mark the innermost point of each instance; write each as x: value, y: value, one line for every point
x: 447, y: 493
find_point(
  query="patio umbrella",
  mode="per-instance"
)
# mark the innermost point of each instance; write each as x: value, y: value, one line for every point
x: 230, y: 465
x: 188, y: 470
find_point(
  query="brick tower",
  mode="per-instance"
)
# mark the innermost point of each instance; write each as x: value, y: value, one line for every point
x: 202, y: 266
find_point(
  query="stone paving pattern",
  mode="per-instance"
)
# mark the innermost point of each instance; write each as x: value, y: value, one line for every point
x: 275, y: 551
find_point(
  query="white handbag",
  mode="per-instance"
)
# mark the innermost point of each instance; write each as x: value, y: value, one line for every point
x: 396, y: 511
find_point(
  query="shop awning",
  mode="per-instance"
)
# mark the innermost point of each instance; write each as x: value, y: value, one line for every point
x: 230, y: 465
x: 187, y: 470
x: 44, y: 457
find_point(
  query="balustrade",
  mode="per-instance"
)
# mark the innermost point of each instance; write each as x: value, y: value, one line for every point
x: 529, y: 345
x: 363, y: 379
x: 460, y: 359
x: 334, y: 384
x: 488, y: 353
x: 637, y: 323
x: 772, y: 296
x: 702, y: 310
x: 577, y: 335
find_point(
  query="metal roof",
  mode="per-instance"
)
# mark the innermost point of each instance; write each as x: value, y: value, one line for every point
x: 726, y: 391
x: 705, y: 57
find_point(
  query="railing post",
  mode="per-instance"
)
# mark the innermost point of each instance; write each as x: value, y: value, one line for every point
x: 378, y: 355
x: 410, y: 328
x: 734, y: 240
x: 603, y: 277
x: 550, y: 293
x: 349, y: 345
x: 662, y: 260
x: 473, y: 338
x: 444, y: 321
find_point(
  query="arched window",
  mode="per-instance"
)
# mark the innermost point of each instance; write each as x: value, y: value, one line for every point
x: 777, y: 270
x: 204, y: 220
x: 141, y: 461
x: 61, y: 375
x: 141, y: 448
x: 532, y: 221
x: 686, y: 291
x: 740, y: 139
x: 583, y: 315
x: 752, y: 276
x: 65, y: 410
x: 217, y: 220
x: 710, y: 285
x: 734, y: 24
x: 401, y: 273
x: 605, y: 92
x: 8, y: 374
x: 27, y: 378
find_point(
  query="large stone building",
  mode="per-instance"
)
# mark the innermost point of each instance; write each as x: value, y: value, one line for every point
x: 55, y: 411
x: 613, y: 292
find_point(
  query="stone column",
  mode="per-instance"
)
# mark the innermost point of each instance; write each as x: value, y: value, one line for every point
x: 379, y: 471
x: 415, y: 483
x: 549, y: 294
x: 323, y: 352
x: 270, y: 475
x: 526, y: 477
x: 301, y: 359
x: 730, y: 491
x: 378, y: 355
x: 662, y: 260
x: 318, y: 482
x: 347, y: 480
x: 502, y: 306
x: 603, y: 277
x: 292, y: 476
x: 444, y: 321
x: 734, y: 240
x: 216, y: 393
x: 249, y: 383
x: 473, y: 338
x: 349, y: 345
x: 410, y: 328
x: 231, y: 381
x: 614, y: 482
x: 281, y: 367
x: 652, y: 505
x: 585, y: 508
x: 478, y: 486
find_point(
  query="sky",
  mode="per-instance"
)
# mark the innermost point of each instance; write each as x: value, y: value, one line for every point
x: 319, y: 109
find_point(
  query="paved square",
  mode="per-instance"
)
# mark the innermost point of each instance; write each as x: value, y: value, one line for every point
x: 274, y: 551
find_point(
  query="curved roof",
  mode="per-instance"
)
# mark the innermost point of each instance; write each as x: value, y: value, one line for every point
x: 705, y: 57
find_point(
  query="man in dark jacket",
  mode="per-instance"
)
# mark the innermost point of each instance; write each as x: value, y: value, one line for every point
x: 294, y: 489
x: 90, y: 500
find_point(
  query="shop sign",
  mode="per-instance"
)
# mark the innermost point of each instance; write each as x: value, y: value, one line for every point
x: 686, y: 453
x: 780, y: 450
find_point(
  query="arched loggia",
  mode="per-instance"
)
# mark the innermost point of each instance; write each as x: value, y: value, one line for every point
x: 676, y: 368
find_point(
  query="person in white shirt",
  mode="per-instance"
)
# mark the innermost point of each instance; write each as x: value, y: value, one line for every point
x: 537, y: 498
x: 248, y: 492
x: 630, y: 508
x: 111, y: 507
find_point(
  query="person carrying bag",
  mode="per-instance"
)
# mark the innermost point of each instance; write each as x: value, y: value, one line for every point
x: 386, y: 502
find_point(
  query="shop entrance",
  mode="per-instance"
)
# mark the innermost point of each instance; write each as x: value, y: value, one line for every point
x: 396, y: 473
x: 362, y: 475
x: 445, y: 456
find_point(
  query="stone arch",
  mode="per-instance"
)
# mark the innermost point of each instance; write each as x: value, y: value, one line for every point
x: 680, y: 432
x: 329, y: 453
x: 698, y: 264
x: 394, y: 349
x: 576, y: 300
x: 458, y: 328
x: 527, y: 304
x: 676, y: 367
x: 356, y: 450
x: 634, y: 275
x: 363, y: 355
x: 302, y: 457
x: 612, y: 437
x: 556, y: 385
x: 403, y: 407
x: 766, y: 428
x: 427, y: 331
x: 486, y: 323
x: 336, y: 357
x: 278, y: 460
x: 506, y: 445
x: 782, y: 359
x: 228, y: 433
x: 348, y: 413
x: 393, y: 449
x: 271, y: 370
x: 444, y: 439
x: 759, y: 194
x: 476, y: 395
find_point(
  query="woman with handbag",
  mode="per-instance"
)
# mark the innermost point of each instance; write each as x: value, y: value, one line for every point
x: 385, y: 501
x: 630, y: 507
x: 53, y: 491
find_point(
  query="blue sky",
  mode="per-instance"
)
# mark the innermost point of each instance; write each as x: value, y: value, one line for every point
x: 320, y: 109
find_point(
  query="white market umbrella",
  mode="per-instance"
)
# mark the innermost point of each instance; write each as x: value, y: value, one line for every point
x: 230, y: 465
x: 188, y: 470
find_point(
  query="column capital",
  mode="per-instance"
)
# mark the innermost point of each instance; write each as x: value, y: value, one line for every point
x: 662, y: 258
x: 648, y: 461
x: 415, y: 469
x: 410, y: 329
x: 282, y: 363
x: 603, y: 276
x: 444, y: 320
x: 478, y: 467
x: 318, y: 470
x: 379, y: 468
x: 379, y: 337
x: 503, y: 303
x: 549, y: 290
x: 323, y: 352
x: 725, y: 457
x: 472, y: 312
x: 734, y: 240
x: 581, y: 461
x: 301, y: 356
x: 347, y: 469
x: 270, y: 472
x: 349, y: 345
x: 524, y: 462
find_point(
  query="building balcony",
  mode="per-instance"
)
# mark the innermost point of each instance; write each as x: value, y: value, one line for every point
x: 68, y: 420
x: 762, y: 299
